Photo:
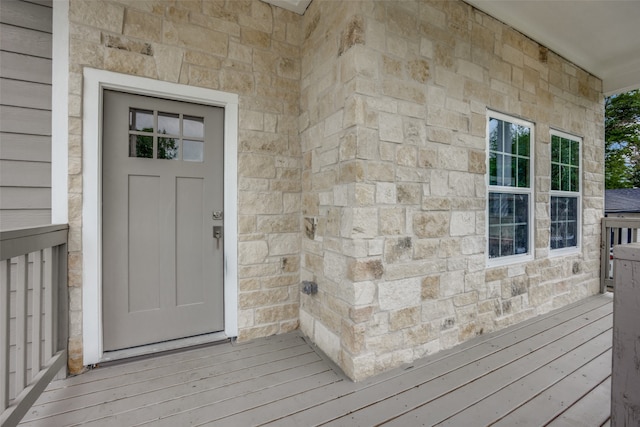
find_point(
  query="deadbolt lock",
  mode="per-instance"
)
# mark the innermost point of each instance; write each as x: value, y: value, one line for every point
x: 217, y: 214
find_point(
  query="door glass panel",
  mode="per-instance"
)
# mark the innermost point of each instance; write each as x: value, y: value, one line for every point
x: 141, y: 146
x: 193, y: 127
x: 168, y: 148
x: 193, y: 151
x: 168, y: 123
x: 141, y: 120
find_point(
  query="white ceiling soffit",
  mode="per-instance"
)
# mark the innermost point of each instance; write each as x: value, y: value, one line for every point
x: 601, y: 36
x: 297, y: 6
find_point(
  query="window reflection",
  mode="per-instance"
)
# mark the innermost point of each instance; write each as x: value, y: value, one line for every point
x: 140, y: 120
x: 169, y: 123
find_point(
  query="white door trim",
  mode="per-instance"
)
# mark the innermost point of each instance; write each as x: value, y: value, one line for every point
x: 94, y: 83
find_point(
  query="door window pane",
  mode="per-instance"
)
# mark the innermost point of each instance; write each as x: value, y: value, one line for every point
x: 169, y: 124
x: 193, y: 151
x: 140, y: 120
x: 168, y: 148
x: 193, y: 127
x: 141, y: 146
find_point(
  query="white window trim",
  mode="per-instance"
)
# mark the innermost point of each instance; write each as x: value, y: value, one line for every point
x: 512, y: 259
x: 95, y: 81
x: 573, y: 249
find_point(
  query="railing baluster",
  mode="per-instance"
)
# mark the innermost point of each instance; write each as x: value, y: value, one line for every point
x: 5, y: 287
x: 45, y: 247
x: 49, y: 344
x: 36, y: 315
x: 21, y: 323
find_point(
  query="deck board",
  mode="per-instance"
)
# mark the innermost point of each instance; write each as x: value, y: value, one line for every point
x: 553, y: 369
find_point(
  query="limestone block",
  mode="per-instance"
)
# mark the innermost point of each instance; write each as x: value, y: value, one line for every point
x: 419, y: 335
x: 392, y: 221
x: 453, y: 158
x: 364, y: 269
x: 384, y: 343
x: 398, y: 249
x: 185, y: 35
x: 452, y: 283
x: 386, y: 193
x: 276, y: 313
x: 278, y: 223
x: 263, y: 298
x: 390, y: 127
x: 327, y: 340
x: 431, y: 224
x: 257, y: 332
x: 335, y: 266
x: 398, y: 294
x: 168, y: 62
x: 142, y: 25
x: 256, y: 165
x: 283, y: 243
x: 260, y: 203
x: 430, y: 288
x: 104, y: 15
x: 353, y: 336
x: 404, y: 318
x: 253, y: 252
x: 463, y: 223
x: 407, y: 155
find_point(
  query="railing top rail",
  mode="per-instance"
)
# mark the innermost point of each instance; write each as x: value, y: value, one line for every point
x: 26, y: 240
x: 621, y: 222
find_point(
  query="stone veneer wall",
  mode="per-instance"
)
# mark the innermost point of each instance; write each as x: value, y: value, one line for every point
x: 244, y: 47
x: 394, y: 101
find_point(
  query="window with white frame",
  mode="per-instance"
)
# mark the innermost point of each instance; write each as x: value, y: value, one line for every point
x: 510, y: 188
x: 565, y: 191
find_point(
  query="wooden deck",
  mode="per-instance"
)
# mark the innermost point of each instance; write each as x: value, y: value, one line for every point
x: 551, y: 370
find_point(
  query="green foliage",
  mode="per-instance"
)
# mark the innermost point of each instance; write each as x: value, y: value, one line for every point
x: 622, y: 140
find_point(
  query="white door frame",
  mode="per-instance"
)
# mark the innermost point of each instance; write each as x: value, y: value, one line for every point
x: 95, y: 81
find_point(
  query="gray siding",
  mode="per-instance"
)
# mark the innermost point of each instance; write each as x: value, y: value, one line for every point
x: 25, y: 113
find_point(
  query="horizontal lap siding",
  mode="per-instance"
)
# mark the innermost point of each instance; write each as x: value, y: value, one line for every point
x: 25, y: 113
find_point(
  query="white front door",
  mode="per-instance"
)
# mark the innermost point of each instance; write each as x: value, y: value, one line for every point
x: 162, y: 271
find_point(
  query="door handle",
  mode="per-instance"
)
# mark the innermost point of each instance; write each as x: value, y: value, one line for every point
x: 217, y: 234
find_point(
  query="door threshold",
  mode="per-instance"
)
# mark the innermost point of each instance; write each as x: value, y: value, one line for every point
x: 163, y: 347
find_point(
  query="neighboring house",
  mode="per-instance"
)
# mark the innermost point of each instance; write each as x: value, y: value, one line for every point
x: 622, y: 203
x: 435, y: 172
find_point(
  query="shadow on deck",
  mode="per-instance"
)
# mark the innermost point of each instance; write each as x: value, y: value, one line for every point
x: 554, y: 369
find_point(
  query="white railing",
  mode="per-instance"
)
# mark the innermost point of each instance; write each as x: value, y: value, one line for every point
x: 33, y: 312
x: 615, y: 231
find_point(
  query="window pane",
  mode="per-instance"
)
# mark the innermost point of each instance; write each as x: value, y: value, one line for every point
x: 168, y: 148
x: 141, y: 146
x: 565, y: 178
x: 565, y: 154
x: 555, y: 176
x: 523, y: 141
x: 523, y: 173
x: 193, y: 127
x: 193, y: 151
x: 140, y: 120
x: 564, y: 222
x: 555, y: 149
x: 493, y: 169
x: 575, y: 179
x: 493, y: 134
x: 575, y: 153
x: 508, y: 224
x: 169, y: 124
